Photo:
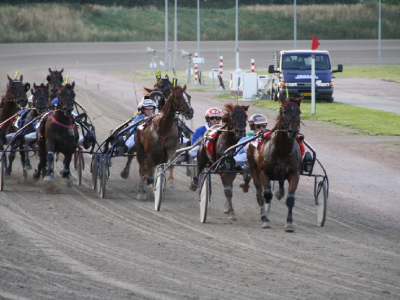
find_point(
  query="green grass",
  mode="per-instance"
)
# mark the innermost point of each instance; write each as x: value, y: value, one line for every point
x: 366, y: 121
x: 391, y: 73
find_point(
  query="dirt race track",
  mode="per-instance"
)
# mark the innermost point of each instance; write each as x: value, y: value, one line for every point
x: 58, y: 242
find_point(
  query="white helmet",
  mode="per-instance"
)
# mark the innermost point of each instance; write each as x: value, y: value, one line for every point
x: 146, y: 103
x: 214, y: 112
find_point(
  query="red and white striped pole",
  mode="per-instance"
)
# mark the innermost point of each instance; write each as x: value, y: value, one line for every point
x: 195, y: 71
x: 252, y: 65
x: 221, y: 64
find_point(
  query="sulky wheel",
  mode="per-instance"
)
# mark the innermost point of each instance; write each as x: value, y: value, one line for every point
x: 321, y: 202
x: 103, y: 178
x: 2, y: 168
x: 205, y: 193
x: 79, y: 167
x: 159, y: 185
x: 93, y: 168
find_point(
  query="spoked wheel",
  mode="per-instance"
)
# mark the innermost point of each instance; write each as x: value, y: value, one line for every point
x: 103, y: 178
x: 205, y: 194
x: 93, y: 169
x: 160, y: 182
x: 79, y: 167
x: 2, y: 168
x: 320, y: 202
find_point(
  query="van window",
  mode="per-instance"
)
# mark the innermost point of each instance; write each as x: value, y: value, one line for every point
x: 303, y: 62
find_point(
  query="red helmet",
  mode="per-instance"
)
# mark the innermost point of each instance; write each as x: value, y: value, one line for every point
x: 214, y: 112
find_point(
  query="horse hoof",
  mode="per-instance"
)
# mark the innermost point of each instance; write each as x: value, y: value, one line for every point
x: 226, y: 210
x: 171, y: 185
x: 124, y: 175
x: 279, y: 195
x: 245, y: 187
x: 266, y: 225
x: 232, y: 217
x: 289, y: 227
x: 141, y: 195
x: 70, y: 183
x: 193, y: 187
x: 48, y: 178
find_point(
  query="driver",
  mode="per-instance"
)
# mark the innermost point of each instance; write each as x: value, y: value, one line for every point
x: 213, y: 116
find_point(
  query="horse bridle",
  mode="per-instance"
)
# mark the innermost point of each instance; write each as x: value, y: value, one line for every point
x: 178, y: 108
x: 16, y: 95
x: 41, y: 96
x: 67, y: 97
x: 235, y: 129
x: 293, y: 116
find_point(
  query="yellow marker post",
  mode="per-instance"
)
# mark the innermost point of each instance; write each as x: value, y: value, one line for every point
x: 174, y: 82
x: 16, y: 74
x: 66, y: 79
x: 287, y: 93
x: 158, y: 75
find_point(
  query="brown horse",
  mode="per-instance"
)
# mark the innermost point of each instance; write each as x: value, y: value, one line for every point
x: 55, y: 79
x: 14, y: 99
x: 233, y: 128
x: 158, y: 141
x: 279, y: 159
x: 159, y: 94
x: 58, y: 133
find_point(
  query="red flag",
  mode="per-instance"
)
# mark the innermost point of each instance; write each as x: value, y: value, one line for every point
x: 315, y: 43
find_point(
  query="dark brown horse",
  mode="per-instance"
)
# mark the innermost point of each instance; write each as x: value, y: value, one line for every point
x: 233, y: 128
x: 157, y: 142
x: 279, y: 159
x: 40, y: 95
x: 55, y: 79
x: 14, y: 99
x: 58, y: 133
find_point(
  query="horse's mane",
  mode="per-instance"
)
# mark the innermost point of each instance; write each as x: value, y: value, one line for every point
x: 229, y: 107
x: 168, y: 104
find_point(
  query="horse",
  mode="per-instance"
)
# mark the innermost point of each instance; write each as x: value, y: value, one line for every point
x: 159, y: 94
x: 58, y: 133
x: 157, y: 142
x: 279, y: 158
x: 40, y: 95
x: 14, y: 99
x: 55, y: 79
x: 233, y: 128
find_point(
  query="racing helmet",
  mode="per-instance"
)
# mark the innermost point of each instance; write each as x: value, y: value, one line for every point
x: 213, y: 112
x: 257, y: 119
x: 146, y: 103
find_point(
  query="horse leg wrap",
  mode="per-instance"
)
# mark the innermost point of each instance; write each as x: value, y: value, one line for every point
x: 50, y: 161
x: 65, y: 173
x: 290, y: 200
x: 228, y: 192
x: 267, y: 195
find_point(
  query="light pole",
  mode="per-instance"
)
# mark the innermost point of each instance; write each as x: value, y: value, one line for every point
x: 166, y: 36
x: 379, y: 35
x: 236, y: 36
x: 295, y: 25
x: 175, y: 35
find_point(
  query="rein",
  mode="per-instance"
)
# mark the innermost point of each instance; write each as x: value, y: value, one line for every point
x: 163, y: 137
x: 63, y: 125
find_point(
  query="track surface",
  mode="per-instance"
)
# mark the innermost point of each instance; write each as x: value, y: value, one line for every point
x: 67, y: 243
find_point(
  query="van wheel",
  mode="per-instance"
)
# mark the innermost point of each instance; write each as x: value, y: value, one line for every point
x: 330, y: 100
